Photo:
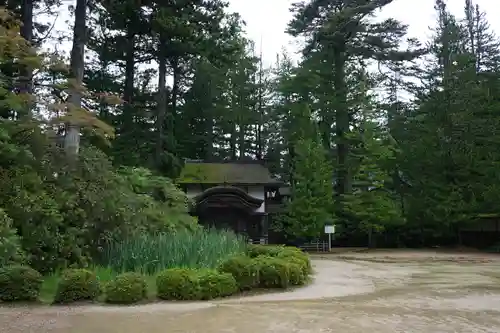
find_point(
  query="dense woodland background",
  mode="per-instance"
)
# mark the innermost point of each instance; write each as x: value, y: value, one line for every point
x: 395, y: 140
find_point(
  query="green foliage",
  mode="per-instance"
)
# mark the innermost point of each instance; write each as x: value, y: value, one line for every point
x: 64, y: 216
x: 178, y: 284
x: 243, y: 269
x: 372, y: 208
x: 296, y: 270
x: 269, y: 266
x: 298, y: 261
x: 273, y: 272
x: 126, y: 288
x: 417, y: 171
x: 296, y: 256
x: 10, y: 244
x: 214, y: 284
x: 19, y: 283
x: 77, y: 285
x: 163, y: 205
x: 311, y: 203
x: 375, y: 211
x: 255, y: 250
x: 151, y: 253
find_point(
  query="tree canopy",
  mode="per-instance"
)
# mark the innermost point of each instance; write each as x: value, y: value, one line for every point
x: 393, y: 138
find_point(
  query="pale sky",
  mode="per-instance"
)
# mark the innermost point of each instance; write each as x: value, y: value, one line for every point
x: 267, y: 19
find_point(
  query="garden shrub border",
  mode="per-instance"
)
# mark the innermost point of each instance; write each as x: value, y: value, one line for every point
x: 19, y: 284
x: 126, y: 288
x: 262, y: 266
x: 77, y: 285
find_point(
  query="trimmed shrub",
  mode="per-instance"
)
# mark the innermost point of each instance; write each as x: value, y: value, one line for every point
x: 178, y: 284
x: 301, y: 263
x: 297, y: 256
x: 273, y: 272
x: 77, y: 285
x: 214, y: 284
x: 296, y: 274
x: 256, y: 250
x: 126, y: 288
x: 19, y: 283
x: 244, y: 270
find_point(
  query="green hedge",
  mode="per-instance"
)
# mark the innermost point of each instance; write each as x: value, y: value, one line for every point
x: 77, y: 285
x: 19, y: 283
x: 255, y: 250
x: 178, y: 284
x: 126, y: 288
x: 269, y: 266
x: 214, y: 284
x: 296, y: 256
x: 261, y: 267
x: 273, y: 272
x: 192, y: 284
x: 244, y: 270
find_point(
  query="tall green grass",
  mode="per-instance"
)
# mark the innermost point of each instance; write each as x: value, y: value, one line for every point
x: 204, y: 248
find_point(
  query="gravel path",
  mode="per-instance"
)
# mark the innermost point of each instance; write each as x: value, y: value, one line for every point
x: 350, y: 296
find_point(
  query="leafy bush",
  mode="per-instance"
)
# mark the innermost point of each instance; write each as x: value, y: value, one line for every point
x: 10, y: 244
x: 302, y: 265
x: 19, y: 283
x: 255, y: 250
x: 244, y: 270
x: 214, y: 284
x: 126, y: 288
x: 163, y: 206
x: 73, y: 210
x: 297, y: 277
x: 273, y: 272
x: 77, y: 285
x: 153, y: 253
x: 297, y: 256
x: 178, y: 284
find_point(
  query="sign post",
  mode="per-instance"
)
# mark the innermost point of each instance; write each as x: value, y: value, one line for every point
x: 329, y: 229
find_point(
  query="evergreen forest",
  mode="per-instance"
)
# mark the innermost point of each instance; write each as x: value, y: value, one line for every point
x: 390, y: 138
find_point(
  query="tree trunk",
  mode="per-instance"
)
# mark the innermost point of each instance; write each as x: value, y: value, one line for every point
x: 26, y: 80
x: 172, y: 110
x: 72, y: 137
x: 241, y: 141
x: 260, y: 150
x: 342, y: 125
x: 241, y: 125
x: 162, y: 102
x: 232, y: 141
x: 128, y: 93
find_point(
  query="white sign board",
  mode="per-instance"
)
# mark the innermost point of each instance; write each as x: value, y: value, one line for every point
x: 329, y: 229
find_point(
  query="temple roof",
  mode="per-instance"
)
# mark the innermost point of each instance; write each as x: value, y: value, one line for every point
x: 227, y: 196
x: 232, y: 173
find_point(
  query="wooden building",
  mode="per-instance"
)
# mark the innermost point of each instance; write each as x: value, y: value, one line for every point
x: 238, y: 195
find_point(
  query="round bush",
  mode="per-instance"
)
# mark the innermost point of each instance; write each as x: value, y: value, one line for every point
x: 214, y: 284
x: 296, y: 256
x: 296, y: 274
x: 126, y: 288
x: 178, y: 284
x: 273, y: 272
x: 256, y: 250
x: 244, y: 270
x: 77, y: 285
x: 19, y: 283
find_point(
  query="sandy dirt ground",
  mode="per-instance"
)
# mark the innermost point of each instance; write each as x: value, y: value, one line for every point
x: 382, y: 292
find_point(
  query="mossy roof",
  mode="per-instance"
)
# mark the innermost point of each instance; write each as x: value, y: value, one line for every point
x: 225, y: 173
